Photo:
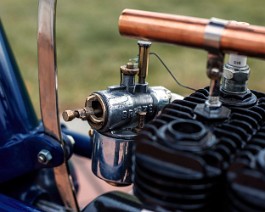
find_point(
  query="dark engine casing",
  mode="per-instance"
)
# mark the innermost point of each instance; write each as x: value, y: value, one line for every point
x: 184, y: 162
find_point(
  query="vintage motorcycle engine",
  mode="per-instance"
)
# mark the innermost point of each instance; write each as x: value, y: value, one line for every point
x: 187, y: 162
x: 201, y: 153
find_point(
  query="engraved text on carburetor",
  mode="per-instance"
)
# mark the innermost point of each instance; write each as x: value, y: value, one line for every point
x: 130, y: 113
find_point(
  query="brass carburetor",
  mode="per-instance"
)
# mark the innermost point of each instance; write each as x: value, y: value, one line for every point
x: 117, y: 114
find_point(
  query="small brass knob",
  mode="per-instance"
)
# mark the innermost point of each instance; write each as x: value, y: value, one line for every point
x: 69, y: 115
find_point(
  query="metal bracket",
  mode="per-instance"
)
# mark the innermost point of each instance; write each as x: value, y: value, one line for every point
x: 212, y: 109
x: 48, y: 95
x: 213, y: 32
x: 214, y: 72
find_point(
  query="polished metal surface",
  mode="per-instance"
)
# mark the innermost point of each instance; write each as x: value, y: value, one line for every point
x: 128, y: 73
x: 48, y: 94
x: 120, y: 108
x: 111, y: 157
x: 117, y: 114
x: 48, y: 67
x: 212, y: 109
x: 214, y: 72
x: 235, y: 79
x: 236, y: 74
x: 213, y: 32
x: 190, y: 31
x: 144, y: 47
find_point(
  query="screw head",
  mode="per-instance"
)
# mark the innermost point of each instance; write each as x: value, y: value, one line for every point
x: 44, y: 157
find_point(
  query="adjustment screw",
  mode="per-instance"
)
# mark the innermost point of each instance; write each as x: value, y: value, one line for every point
x: 44, y: 157
x: 69, y: 115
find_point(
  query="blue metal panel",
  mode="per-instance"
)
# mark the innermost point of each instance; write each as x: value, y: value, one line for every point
x: 8, y: 204
x: 21, y: 135
x: 17, y: 114
x: 19, y: 155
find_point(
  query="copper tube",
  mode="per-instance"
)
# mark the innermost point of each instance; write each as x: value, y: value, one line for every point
x: 189, y: 31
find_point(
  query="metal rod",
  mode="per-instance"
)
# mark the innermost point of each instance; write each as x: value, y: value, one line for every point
x: 190, y: 31
x: 214, y: 72
x: 48, y: 95
x: 143, y: 60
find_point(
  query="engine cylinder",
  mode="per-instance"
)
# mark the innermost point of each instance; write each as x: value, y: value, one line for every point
x: 181, y: 159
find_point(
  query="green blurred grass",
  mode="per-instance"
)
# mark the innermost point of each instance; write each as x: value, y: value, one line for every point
x: 90, y: 49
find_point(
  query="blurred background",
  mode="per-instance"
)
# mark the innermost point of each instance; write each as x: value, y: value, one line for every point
x: 90, y: 49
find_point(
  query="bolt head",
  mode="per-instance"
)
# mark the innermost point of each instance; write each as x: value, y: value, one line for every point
x: 129, y: 69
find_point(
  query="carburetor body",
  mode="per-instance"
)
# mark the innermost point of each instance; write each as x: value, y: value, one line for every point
x: 121, y: 108
x: 117, y: 114
x: 123, y: 112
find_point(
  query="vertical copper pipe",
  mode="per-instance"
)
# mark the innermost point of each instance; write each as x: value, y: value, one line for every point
x: 190, y: 31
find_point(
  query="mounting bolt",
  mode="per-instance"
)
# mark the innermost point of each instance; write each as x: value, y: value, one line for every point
x: 44, y: 157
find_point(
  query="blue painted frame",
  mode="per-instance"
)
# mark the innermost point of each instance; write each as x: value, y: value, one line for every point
x: 21, y: 133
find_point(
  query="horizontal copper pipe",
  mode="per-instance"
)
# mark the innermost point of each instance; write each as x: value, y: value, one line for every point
x: 189, y: 31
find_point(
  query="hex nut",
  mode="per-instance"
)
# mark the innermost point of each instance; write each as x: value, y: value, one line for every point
x: 241, y: 75
x: 44, y: 157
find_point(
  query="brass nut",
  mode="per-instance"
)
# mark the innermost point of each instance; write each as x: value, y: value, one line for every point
x: 129, y: 69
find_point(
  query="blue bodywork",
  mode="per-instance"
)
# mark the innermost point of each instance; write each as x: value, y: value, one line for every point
x: 22, y: 138
x: 9, y: 204
x: 17, y: 114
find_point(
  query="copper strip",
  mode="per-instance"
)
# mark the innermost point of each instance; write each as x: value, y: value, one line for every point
x: 189, y: 31
x: 48, y: 94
